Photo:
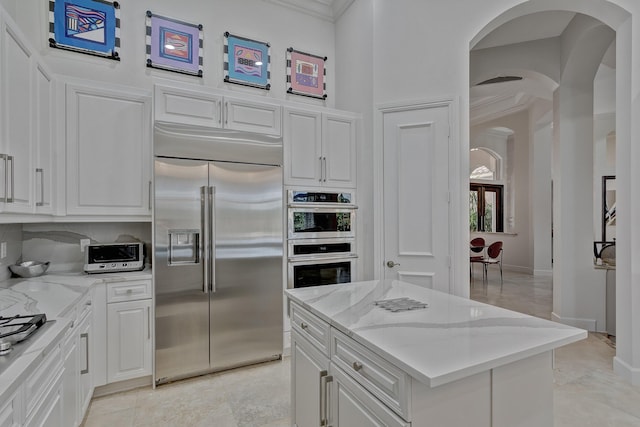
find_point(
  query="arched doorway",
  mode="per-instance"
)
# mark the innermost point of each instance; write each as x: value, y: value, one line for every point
x: 595, y: 20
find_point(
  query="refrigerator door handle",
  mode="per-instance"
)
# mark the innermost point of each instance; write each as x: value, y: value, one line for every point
x: 212, y: 231
x: 204, y: 220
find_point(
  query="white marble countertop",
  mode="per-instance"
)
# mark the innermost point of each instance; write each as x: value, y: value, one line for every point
x: 54, y: 295
x: 450, y: 339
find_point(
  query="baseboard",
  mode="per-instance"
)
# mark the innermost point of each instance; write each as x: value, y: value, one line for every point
x: 122, y: 386
x: 543, y: 273
x: 588, y: 324
x: 627, y: 372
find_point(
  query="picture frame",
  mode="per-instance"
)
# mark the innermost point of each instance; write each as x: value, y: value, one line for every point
x: 174, y: 45
x: 306, y: 74
x: 91, y: 27
x: 247, y: 62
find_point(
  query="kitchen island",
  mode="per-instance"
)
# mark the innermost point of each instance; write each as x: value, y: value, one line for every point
x: 451, y: 362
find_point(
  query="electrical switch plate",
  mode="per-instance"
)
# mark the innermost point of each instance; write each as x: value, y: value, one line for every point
x: 3, y: 250
x: 84, y: 243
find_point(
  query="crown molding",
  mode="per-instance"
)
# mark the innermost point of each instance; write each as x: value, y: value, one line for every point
x: 328, y: 10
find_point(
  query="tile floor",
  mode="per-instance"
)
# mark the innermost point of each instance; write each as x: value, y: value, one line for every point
x: 586, y: 392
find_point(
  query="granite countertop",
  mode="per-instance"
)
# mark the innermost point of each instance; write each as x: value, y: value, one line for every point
x: 451, y: 339
x: 55, y: 295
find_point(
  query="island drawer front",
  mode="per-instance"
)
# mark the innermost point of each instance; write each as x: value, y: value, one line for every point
x: 311, y: 327
x: 387, y: 382
x: 42, y: 378
x: 128, y: 291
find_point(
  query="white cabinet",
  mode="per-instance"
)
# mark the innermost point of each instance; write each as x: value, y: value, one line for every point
x: 10, y: 411
x: 309, y: 383
x: 85, y: 383
x: 108, y: 151
x: 71, y: 396
x: 320, y: 148
x: 324, y: 394
x: 128, y: 330
x: 209, y: 108
x: 16, y: 124
x: 44, y: 139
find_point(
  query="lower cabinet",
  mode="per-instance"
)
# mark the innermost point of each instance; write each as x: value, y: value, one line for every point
x: 128, y: 330
x: 324, y: 391
x: 128, y: 340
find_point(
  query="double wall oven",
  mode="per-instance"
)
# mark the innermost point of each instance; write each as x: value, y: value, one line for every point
x: 321, y: 238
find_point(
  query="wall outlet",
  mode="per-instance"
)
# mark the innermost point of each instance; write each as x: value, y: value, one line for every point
x: 3, y: 250
x: 84, y: 243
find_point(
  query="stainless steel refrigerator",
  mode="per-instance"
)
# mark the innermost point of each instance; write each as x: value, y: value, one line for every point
x: 218, y: 250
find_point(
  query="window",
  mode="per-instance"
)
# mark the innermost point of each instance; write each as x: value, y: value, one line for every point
x: 486, y: 208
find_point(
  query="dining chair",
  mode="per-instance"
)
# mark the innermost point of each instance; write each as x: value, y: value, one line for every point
x: 494, y: 256
x: 477, y: 246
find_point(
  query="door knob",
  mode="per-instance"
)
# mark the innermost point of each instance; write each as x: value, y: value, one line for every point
x: 392, y: 264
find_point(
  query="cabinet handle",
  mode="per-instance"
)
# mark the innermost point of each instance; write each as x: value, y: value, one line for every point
x: 324, y: 168
x: 41, y: 172
x: 88, y: 302
x: 148, y: 323
x: 325, y: 379
x: 86, y: 343
x: 357, y: 366
x: 149, y: 195
x: 6, y: 176
x: 10, y: 199
x: 303, y: 325
x: 219, y: 112
x: 226, y: 112
x: 321, y: 169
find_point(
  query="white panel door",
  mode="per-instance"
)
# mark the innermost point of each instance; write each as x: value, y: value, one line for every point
x: 302, y: 147
x: 44, y: 140
x: 16, y: 137
x: 128, y: 340
x: 416, y: 196
x: 339, y: 150
x: 108, y: 152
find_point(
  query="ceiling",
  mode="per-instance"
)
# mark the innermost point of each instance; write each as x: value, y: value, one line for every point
x: 491, y: 101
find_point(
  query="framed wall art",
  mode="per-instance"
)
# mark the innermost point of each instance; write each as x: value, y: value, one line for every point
x: 247, y: 62
x: 87, y: 26
x: 174, y: 45
x: 306, y: 74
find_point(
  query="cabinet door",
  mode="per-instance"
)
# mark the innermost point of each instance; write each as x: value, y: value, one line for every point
x: 43, y: 139
x: 302, y: 147
x: 85, y: 342
x: 16, y: 135
x: 128, y: 340
x: 252, y: 116
x: 353, y: 405
x: 339, y: 150
x: 190, y: 107
x: 309, y: 370
x: 108, y: 151
x: 70, y: 379
x: 10, y: 411
x: 50, y: 411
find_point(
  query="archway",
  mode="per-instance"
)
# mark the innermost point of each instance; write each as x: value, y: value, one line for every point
x: 616, y: 19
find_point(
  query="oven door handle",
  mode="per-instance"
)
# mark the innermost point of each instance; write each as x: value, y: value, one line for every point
x: 321, y: 257
x: 332, y: 206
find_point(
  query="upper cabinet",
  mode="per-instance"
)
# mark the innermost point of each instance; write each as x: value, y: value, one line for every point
x: 108, y: 151
x: 320, y: 148
x: 16, y: 145
x: 211, y: 109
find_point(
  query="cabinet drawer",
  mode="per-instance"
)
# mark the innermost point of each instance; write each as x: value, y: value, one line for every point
x: 128, y: 291
x: 311, y: 327
x: 384, y: 380
x: 42, y: 378
x: 10, y: 412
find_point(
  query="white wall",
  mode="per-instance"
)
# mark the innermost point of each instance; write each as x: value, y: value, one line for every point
x: 412, y: 61
x: 256, y: 19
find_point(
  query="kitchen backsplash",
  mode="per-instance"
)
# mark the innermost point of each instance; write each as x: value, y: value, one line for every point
x: 11, y: 235
x: 60, y: 243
